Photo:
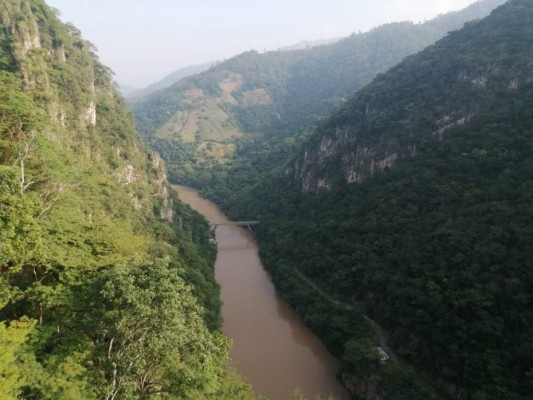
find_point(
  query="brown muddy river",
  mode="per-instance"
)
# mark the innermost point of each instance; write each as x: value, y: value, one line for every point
x: 272, y: 348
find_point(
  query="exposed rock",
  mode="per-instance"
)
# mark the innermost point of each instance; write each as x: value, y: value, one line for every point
x: 323, y: 184
x: 58, y: 114
x: 59, y: 54
x: 128, y: 175
x: 383, y: 356
x: 354, y: 176
x: 458, y: 117
x: 387, y: 162
x: 31, y: 42
x: 90, y: 113
x: 480, y: 81
x: 161, y: 185
x: 31, y: 38
x: 167, y: 212
x: 158, y: 165
x: 513, y: 85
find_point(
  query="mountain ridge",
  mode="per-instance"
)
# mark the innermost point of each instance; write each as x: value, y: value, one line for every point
x: 473, y: 80
x: 168, y: 80
x: 263, y: 104
x: 420, y: 217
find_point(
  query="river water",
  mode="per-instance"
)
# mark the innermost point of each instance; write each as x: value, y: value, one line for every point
x: 272, y: 348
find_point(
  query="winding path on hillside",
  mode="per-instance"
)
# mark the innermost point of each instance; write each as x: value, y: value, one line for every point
x: 380, y: 332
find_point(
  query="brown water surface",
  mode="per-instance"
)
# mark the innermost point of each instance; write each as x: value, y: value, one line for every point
x: 272, y: 348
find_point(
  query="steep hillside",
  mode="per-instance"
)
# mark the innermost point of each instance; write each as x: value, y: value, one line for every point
x: 413, y: 103
x: 106, y: 282
x: 241, y: 118
x: 412, y: 206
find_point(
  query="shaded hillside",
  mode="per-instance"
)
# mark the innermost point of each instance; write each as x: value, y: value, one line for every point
x: 242, y: 117
x: 106, y: 281
x: 412, y: 205
x: 414, y: 102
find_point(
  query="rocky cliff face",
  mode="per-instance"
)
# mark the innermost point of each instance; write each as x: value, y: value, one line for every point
x: 99, y: 298
x: 423, y: 99
x: 424, y: 181
x: 62, y: 72
x: 162, y: 188
x: 258, y: 100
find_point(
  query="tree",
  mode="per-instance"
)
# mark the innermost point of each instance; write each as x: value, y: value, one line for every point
x: 13, y: 338
x: 151, y: 337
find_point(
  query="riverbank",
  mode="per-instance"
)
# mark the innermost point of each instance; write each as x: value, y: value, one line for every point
x: 272, y: 348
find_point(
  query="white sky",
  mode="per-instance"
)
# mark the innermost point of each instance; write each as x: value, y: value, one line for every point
x: 144, y: 40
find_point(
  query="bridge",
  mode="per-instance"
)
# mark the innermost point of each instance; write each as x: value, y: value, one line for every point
x: 247, y: 224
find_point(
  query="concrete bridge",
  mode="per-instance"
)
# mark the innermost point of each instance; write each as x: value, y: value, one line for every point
x: 247, y: 224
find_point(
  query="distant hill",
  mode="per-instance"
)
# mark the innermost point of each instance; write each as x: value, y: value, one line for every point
x: 169, y: 80
x: 246, y: 114
x: 134, y: 94
x: 412, y: 206
x: 126, y: 90
x: 307, y: 44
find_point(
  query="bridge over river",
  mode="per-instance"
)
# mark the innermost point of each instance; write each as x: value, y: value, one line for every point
x: 271, y: 347
x: 247, y: 224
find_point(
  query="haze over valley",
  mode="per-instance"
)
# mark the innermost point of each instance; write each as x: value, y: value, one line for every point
x: 286, y: 201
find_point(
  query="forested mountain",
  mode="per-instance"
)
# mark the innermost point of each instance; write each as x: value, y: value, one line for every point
x: 169, y: 80
x: 106, y: 281
x: 240, y: 118
x: 413, y: 206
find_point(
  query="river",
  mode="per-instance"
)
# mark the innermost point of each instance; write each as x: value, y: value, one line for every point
x: 272, y: 348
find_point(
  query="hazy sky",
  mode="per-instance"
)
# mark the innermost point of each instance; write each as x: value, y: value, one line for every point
x: 144, y: 40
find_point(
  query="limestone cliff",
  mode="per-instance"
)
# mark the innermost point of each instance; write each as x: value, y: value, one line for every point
x: 62, y: 72
x: 219, y: 119
x: 421, y: 100
x: 99, y: 298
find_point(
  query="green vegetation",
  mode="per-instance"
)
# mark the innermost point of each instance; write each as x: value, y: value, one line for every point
x: 269, y: 102
x: 412, y: 205
x: 107, y: 288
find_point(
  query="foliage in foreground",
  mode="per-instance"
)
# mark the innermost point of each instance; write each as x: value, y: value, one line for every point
x: 99, y: 297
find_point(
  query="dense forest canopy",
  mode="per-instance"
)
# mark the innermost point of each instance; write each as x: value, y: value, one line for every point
x: 225, y: 129
x: 107, y: 288
x: 412, y: 206
x: 397, y: 221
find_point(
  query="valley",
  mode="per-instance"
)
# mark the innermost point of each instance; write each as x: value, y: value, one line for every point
x: 383, y: 182
x: 272, y: 348
x: 364, y: 213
